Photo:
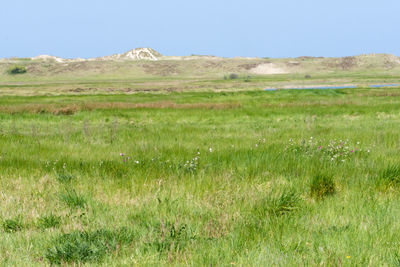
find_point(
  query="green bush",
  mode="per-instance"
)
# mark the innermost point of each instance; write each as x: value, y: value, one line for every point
x: 17, y: 69
x: 322, y: 186
x: 233, y: 76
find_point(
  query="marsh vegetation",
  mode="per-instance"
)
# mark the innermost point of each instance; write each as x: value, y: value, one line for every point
x: 252, y: 178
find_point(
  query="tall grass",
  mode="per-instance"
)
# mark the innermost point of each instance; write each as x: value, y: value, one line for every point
x: 278, y: 179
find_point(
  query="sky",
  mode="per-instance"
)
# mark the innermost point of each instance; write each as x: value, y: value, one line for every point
x: 253, y: 28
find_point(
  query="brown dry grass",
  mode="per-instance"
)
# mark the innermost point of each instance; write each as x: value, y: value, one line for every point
x: 69, y: 109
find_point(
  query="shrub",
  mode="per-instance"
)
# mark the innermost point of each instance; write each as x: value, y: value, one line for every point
x: 233, y: 76
x: 13, y: 225
x: 73, y: 199
x: 86, y: 246
x: 17, y: 69
x: 322, y: 186
x: 307, y: 76
x: 347, y: 63
x: 49, y: 221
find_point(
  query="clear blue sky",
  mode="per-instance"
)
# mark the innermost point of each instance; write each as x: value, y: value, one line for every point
x: 278, y: 28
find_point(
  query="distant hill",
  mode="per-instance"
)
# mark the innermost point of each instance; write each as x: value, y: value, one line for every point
x: 134, y: 54
x: 146, y: 62
x: 264, y: 66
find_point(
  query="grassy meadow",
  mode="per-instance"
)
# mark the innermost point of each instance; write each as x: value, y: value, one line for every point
x: 248, y: 178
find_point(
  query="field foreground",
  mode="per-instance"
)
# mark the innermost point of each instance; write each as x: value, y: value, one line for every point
x: 250, y: 178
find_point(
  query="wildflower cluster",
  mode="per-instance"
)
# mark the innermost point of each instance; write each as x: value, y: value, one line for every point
x: 260, y: 142
x: 193, y: 164
x: 54, y: 165
x: 305, y: 146
x: 126, y: 158
x: 160, y: 162
x: 334, y: 150
x: 339, y: 150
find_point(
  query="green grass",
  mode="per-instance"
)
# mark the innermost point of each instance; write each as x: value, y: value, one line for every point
x: 72, y: 199
x: 49, y: 221
x: 12, y: 225
x: 322, y: 186
x: 86, y: 246
x: 283, y: 178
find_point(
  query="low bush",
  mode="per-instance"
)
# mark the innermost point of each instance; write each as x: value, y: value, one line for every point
x: 233, y: 76
x: 17, y: 69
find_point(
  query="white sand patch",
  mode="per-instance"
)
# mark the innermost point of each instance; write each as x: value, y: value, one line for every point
x: 47, y: 57
x: 268, y: 68
x: 134, y: 54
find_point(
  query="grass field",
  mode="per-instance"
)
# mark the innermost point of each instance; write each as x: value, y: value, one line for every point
x: 248, y: 178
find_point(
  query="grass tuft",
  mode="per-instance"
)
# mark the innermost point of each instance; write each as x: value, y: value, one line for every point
x: 172, y: 237
x: 64, y: 177
x: 281, y: 204
x: 391, y: 175
x: 73, y: 199
x: 13, y: 225
x: 49, y: 221
x: 81, y: 247
x: 322, y: 186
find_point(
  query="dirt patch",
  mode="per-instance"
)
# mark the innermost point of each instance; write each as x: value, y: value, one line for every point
x: 268, y: 68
